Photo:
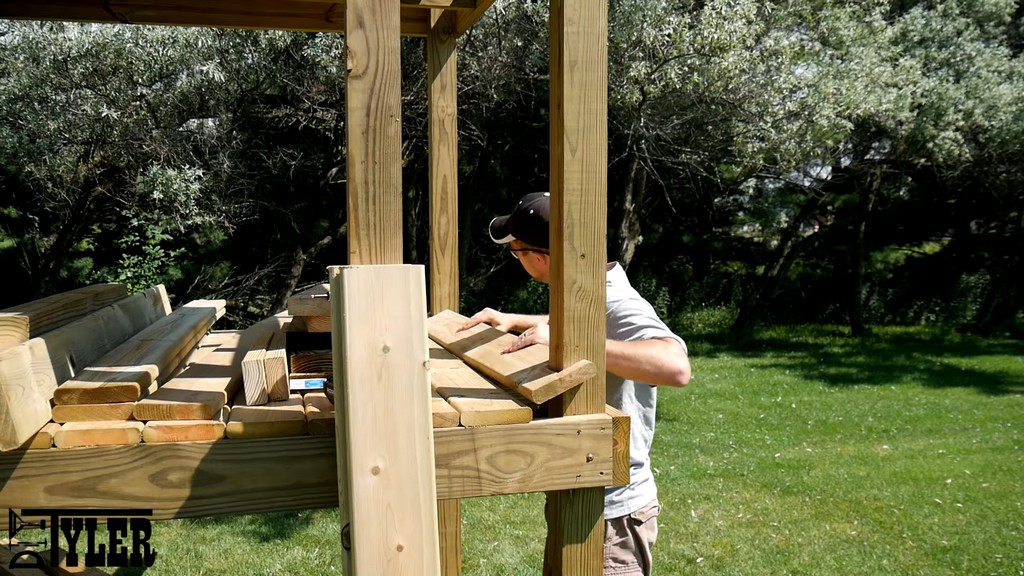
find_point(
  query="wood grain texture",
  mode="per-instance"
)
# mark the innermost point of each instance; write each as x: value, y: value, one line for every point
x: 45, y: 314
x: 317, y: 323
x: 525, y: 371
x: 449, y: 531
x: 203, y: 389
x: 379, y: 318
x: 319, y: 414
x: 157, y: 431
x: 93, y: 412
x: 254, y: 372
x: 83, y: 434
x: 467, y: 19
x: 182, y: 480
x: 479, y: 401
x: 314, y: 301
x: 43, y: 439
x: 442, y: 414
x: 620, y: 445
x: 443, y: 142
x: 275, y: 366
x: 24, y: 402
x: 133, y: 369
x: 271, y: 420
x: 373, y: 108
x: 579, y: 189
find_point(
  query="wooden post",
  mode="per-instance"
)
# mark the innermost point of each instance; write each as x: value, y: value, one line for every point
x: 579, y: 156
x: 373, y: 112
x: 386, y: 486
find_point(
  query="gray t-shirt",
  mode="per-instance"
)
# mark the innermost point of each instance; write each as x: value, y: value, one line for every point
x: 632, y: 319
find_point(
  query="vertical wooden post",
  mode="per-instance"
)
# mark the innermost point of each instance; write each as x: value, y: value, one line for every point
x: 373, y: 112
x: 579, y: 156
x: 386, y: 487
x: 444, y: 230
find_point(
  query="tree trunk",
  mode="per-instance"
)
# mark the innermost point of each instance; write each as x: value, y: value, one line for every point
x: 859, y: 256
x: 298, y: 266
x: 629, y: 225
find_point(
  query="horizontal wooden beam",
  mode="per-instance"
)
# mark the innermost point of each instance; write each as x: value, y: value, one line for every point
x: 183, y: 480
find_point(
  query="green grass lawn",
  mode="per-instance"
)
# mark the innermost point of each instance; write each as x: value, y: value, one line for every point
x: 808, y: 452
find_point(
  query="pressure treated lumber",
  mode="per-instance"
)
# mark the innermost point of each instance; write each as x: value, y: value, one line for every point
x: 386, y: 471
x: 271, y: 420
x: 317, y: 323
x: 524, y: 371
x: 254, y: 372
x: 203, y: 389
x: 134, y: 369
x: 478, y: 401
x: 30, y: 372
x: 182, y: 431
x: 20, y: 323
x: 82, y: 434
x: 93, y: 412
x: 319, y: 414
x: 252, y: 476
x: 314, y: 301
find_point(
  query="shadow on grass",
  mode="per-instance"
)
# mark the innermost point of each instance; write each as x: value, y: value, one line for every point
x: 886, y: 357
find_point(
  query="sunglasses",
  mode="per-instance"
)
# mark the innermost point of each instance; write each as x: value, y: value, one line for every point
x: 515, y: 252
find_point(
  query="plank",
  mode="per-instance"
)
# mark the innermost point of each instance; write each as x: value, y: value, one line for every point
x: 317, y: 323
x: 133, y: 369
x: 29, y: 372
x: 314, y: 301
x: 319, y: 414
x: 252, y: 476
x: 373, y: 109
x: 578, y: 149
x: 271, y: 420
x: 441, y: 359
x: 82, y: 434
x: 157, y: 431
x: 311, y: 362
x: 20, y: 323
x: 524, y: 371
x: 478, y: 401
x: 441, y: 412
x: 386, y: 449
x: 43, y: 439
x: 254, y: 372
x: 92, y: 412
x: 620, y: 445
x: 203, y: 389
x: 275, y: 365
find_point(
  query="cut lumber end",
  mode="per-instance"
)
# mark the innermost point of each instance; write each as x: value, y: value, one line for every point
x: 14, y: 329
x: 620, y: 446
x: 313, y: 302
x: 319, y: 414
x: 547, y: 387
x: 43, y: 439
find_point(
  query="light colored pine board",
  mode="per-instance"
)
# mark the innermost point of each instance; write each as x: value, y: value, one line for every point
x: 82, y: 434
x: 441, y: 359
x: 275, y: 365
x: 54, y: 311
x: 182, y: 431
x: 524, y: 371
x: 93, y: 412
x: 271, y: 420
x: 42, y: 439
x: 441, y: 412
x: 479, y: 401
x: 203, y: 389
x: 319, y: 414
x: 24, y: 404
x: 254, y: 372
x: 384, y: 425
x: 133, y: 370
x: 317, y: 323
x: 312, y: 302
x: 300, y: 472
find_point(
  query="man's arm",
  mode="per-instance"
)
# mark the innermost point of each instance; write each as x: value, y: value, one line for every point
x: 659, y: 361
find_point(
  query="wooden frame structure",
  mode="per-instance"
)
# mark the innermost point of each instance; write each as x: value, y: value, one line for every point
x: 578, y: 148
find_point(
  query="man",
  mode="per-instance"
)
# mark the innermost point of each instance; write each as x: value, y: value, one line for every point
x: 640, y: 354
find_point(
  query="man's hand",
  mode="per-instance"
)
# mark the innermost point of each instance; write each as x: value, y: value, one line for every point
x: 499, y: 320
x: 539, y: 334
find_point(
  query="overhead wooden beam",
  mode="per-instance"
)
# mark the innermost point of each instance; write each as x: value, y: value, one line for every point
x: 579, y: 164
x: 384, y: 419
x: 373, y: 109
x: 467, y: 19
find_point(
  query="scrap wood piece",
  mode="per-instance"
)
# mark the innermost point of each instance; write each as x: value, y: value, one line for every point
x: 82, y: 434
x: 135, y: 368
x: 319, y: 414
x: 271, y: 420
x: 524, y: 371
x: 442, y: 413
x: 30, y: 372
x: 93, y: 412
x: 182, y: 431
x: 20, y: 323
x: 312, y: 302
x: 478, y: 401
x: 204, y: 388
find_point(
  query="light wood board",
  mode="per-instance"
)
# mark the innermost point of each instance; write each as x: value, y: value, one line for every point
x: 93, y: 412
x: 319, y: 414
x: 182, y: 431
x: 524, y: 371
x: 254, y: 372
x: 478, y: 401
x: 270, y: 420
x: 82, y: 434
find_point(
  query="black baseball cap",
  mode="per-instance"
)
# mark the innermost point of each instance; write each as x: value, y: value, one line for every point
x: 529, y: 222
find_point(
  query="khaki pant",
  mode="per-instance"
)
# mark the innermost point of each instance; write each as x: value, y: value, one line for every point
x: 628, y: 541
